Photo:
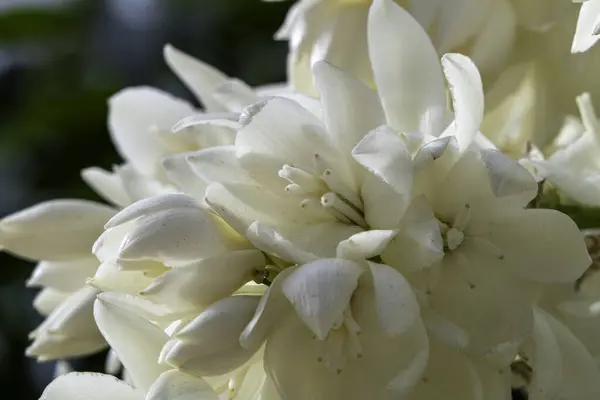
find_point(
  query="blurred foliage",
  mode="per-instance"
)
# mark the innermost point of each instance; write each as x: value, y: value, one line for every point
x: 60, y: 60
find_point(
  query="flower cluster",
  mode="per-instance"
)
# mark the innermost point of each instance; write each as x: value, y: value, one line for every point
x: 369, y: 231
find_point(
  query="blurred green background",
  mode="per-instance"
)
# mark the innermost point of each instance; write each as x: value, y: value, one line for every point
x: 59, y: 62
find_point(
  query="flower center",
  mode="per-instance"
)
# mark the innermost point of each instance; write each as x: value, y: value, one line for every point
x: 341, y: 341
x: 453, y: 233
x: 322, y: 189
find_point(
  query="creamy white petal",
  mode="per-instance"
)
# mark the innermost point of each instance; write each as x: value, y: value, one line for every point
x: 419, y: 242
x: 384, y: 154
x: 370, y: 376
x: 180, y: 174
x: 396, y: 303
x: 365, y: 245
x: 234, y: 95
x: 139, y: 186
x: 65, y: 276
x: 467, y: 96
x: 541, y: 245
x: 273, y: 305
x: 174, y: 237
x: 209, y: 345
x: 272, y: 242
x: 56, y: 230
x: 139, y: 306
x: 351, y: 109
x: 200, y: 284
x: 208, y: 130
x: 152, y: 205
x: 218, y: 164
x: 48, y: 299
x: 135, y: 116
x: 320, y: 291
x: 508, y: 177
x: 199, y: 77
x: 586, y: 34
x: 459, y: 21
x: 90, y: 386
x: 107, y: 184
x: 175, y: 385
x: 407, y: 70
x: 137, y: 341
x: 110, y: 277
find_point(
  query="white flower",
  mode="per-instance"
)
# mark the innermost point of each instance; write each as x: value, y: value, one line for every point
x: 574, y: 168
x: 352, y: 327
x: 588, y: 26
x: 518, y: 45
x: 137, y: 343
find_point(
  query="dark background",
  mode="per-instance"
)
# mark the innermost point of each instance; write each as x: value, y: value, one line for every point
x: 59, y: 62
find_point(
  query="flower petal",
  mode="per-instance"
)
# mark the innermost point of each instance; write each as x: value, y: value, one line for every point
x: 180, y: 174
x: 320, y: 291
x: 90, y: 386
x: 135, y: 115
x: 270, y: 241
x: 407, y: 70
x: 137, y: 341
x: 396, y: 303
x: 152, y: 205
x: 175, y: 385
x: 56, y: 230
x: 364, y: 245
x: 107, y: 184
x: 65, y: 276
x: 385, y: 155
x: 541, y: 245
x: 218, y: 164
x: 199, y: 285
x: 586, y: 34
x: 467, y: 96
x: 199, y: 77
x: 209, y: 345
x: 351, y: 109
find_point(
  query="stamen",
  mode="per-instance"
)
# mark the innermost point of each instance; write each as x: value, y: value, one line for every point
x: 307, y: 181
x: 296, y: 190
x: 335, y: 356
x: 332, y: 201
x: 454, y: 238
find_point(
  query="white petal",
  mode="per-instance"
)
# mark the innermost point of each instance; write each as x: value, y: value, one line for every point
x: 496, y: 39
x: 543, y: 351
x: 199, y: 77
x: 200, y: 284
x: 48, y: 299
x: 56, y: 230
x: 66, y: 276
x: 109, y: 277
x: 234, y: 95
x: 209, y: 345
x: 152, y: 205
x: 208, y: 130
x: 136, y: 341
x: 396, y: 303
x: 350, y: 107
x: 586, y: 34
x: 273, y: 305
x: 541, y: 245
x: 135, y: 117
x: 371, y: 376
x: 180, y: 174
x: 407, y: 70
x: 459, y: 21
x: 136, y: 305
x: 320, y: 291
x: 467, y: 96
x: 419, y: 242
x: 269, y: 240
x: 385, y: 155
x: 218, y: 164
x: 174, y: 236
x: 365, y: 245
x: 139, y: 186
x: 175, y: 385
x: 581, y: 377
x: 90, y: 386
x: 106, y: 184
x: 508, y: 177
